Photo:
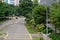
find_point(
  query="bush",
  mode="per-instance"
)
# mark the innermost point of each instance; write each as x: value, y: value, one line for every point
x: 40, y: 27
x: 37, y: 38
x: 1, y: 33
x: 49, y: 30
x: 54, y: 36
x: 41, y: 39
x: 30, y: 29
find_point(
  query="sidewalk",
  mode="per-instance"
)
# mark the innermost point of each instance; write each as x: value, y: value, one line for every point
x: 18, y: 31
x: 6, y: 23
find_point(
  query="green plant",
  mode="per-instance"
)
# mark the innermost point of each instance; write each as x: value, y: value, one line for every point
x: 49, y: 30
x: 54, y: 36
x: 37, y: 38
x: 7, y: 9
x: 54, y: 15
x: 40, y: 27
x: 2, y: 33
x: 30, y: 29
x: 41, y: 39
x: 25, y: 7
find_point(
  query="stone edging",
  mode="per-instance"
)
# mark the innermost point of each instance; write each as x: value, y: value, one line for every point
x: 3, y: 36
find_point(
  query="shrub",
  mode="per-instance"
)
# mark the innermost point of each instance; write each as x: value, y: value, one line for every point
x: 40, y: 27
x: 37, y: 38
x: 54, y: 36
x: 41, y: 39
x: 49, y: 30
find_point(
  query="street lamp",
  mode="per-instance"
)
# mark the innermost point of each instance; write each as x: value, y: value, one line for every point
x: 47, y: 11
x: 46, y: 21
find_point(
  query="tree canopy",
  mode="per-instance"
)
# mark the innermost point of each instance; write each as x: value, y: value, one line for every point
x: 6, y: 9
x: 55, y: 14
x: 25, y: 7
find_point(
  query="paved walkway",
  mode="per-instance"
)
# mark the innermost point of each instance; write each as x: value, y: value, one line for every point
x: 17, y: 31
x: 8, y: 22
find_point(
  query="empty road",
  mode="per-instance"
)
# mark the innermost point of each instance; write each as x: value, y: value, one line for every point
x: 17, y: 31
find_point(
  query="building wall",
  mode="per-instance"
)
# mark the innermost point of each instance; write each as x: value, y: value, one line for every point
x: 14, y: 2
x: 47, y: 2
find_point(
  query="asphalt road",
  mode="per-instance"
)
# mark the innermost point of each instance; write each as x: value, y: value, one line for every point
x: 17, y: 31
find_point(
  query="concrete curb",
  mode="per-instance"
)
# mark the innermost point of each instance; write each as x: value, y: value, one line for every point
x: 30, y: 37
x: 6, y: 36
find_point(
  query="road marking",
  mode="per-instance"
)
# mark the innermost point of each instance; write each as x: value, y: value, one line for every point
x: 30, y: 36
x: 6, y: 36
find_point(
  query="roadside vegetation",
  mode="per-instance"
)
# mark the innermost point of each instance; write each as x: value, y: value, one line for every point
x: 37, y: 38
x: 54, y: 17
x: 1, y: 33
x: 36, y: 16
x: 54, y: 36
x: 30, y: 29
x: 2, y: 20
x: 7, y: 10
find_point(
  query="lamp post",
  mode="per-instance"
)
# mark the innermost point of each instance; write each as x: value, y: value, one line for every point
x: 47, y: 17
x: 46, y: 21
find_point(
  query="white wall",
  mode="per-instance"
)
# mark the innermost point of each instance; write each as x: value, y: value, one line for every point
x: 16, y: 2
x: 47, y: 2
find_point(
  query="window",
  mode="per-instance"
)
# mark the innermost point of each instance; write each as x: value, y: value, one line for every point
x: 6, y: 1
x: 11, y: 1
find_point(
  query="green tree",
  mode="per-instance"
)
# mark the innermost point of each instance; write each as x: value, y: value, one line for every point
x: 55, y: 15
x: 39, y: 14
x: 6, y: 9
x: 25, y: 7
x: 35, y: 1
x: 40, y: 27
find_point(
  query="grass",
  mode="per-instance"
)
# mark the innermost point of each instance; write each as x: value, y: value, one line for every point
x: 34, y: 30
x: 1, y: 33
x: 30, y: 29
x: 37, y: 38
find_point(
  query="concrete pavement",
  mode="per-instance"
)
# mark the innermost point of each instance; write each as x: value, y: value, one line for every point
x: 17, y: 31
x: 8, y: 22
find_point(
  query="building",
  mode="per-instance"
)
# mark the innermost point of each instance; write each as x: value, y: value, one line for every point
x: 47, y: 2
x: 14, y: 2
